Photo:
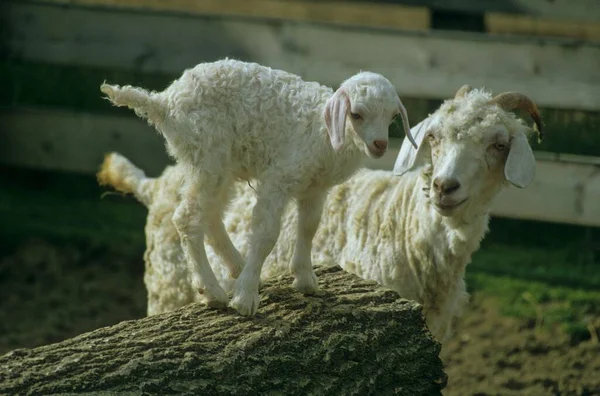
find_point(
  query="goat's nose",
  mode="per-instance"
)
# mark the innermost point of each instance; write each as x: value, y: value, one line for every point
x: 381, y: 144
x: 446, y: 186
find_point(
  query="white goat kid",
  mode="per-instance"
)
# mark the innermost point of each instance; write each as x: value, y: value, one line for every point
x: 231, y: 120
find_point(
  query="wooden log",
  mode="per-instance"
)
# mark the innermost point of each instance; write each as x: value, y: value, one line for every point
x: 354, y: 338
x: 555, y: 73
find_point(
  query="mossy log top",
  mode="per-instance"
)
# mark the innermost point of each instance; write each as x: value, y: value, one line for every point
x: 353, y: 338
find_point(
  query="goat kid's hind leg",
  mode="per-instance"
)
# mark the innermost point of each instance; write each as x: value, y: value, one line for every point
x: 309, y: 216
x: 218, y: 237
x: 265, y: 228
x: 190, y: 220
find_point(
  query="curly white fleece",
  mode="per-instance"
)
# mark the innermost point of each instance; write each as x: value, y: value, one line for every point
x: 231, y: 120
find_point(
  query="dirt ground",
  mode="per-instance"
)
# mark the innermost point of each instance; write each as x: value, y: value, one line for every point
x: 49, y: 293
x: 495, y: 355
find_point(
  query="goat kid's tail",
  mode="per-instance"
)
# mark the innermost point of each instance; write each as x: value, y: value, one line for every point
x: 146, y: 104
x: 118, y: 172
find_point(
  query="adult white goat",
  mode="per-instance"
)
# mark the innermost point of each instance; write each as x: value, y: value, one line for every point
x: 231, y: 120
x: 414, y: 234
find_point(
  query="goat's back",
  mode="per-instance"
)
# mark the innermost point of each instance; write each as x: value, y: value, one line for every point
x: 245, y: 115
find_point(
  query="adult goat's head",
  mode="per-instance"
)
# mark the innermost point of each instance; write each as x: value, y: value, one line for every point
x: 371, y: 104
x: 470, y: 147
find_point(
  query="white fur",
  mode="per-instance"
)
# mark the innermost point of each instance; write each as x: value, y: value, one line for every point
x: 377, y: 225
x: 232, y: 120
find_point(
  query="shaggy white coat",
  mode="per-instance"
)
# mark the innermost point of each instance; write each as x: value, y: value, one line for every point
x: 231, y: 120
x: 377, y: 225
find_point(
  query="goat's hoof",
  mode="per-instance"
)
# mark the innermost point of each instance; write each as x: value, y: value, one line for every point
x: 216, y: 304
x: 218, y: 299
x: 246, y: 303
x: 306, y: 284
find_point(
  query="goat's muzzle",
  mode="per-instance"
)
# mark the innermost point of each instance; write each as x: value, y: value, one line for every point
x: 378, y: 148
x: 446, y: 197
x: 446, y: 186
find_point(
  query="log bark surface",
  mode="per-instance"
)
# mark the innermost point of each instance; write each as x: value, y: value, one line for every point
x: 354, y: 338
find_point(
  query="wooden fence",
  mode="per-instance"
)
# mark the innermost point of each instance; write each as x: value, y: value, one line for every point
x: 551, y: 54
x: 558, y: 73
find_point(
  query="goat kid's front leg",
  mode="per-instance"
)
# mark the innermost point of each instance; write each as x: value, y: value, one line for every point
x: 218, y: 237
x: 309, y: 216
x: 265, y: 228
x: 222, y: 245
x: 190, y: 220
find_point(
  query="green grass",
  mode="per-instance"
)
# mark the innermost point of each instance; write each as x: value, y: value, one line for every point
x: 551, y: 286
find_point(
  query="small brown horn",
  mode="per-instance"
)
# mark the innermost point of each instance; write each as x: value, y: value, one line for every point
x: 462, y: 91
x: 514, y: 100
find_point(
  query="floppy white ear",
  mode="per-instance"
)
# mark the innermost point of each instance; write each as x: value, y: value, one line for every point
x: 336, y: 111
x: 409, y: 157
x: 520, y: 163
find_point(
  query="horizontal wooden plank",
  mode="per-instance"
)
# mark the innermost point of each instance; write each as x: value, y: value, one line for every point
x: 524, y: 25
x: 558, y: 74
x: 584, y: 10
x: 562, y: 192
x: 566, y: 188
x: 76, y: 142
x: 359, y: 13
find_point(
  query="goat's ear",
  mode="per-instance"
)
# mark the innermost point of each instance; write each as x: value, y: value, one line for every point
x: 409, y: 157
x: 336, y: 111
x: 520, y: 163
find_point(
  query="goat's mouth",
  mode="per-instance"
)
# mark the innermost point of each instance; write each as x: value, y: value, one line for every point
x: 446, y: 209
x: 375, y: 152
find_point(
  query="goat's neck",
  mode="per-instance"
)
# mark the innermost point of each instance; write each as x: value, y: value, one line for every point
x: 334, y: 167
x: 458, y: 235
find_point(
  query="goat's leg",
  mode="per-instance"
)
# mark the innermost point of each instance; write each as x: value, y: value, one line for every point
x: 190, y: 220
x: 309, y: 216
x: 265, y: 228
x: 218, y: 237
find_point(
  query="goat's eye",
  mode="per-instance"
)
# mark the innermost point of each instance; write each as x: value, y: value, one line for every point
x: 431, y: 138
x: 500, y: 146
x: 356, y: 116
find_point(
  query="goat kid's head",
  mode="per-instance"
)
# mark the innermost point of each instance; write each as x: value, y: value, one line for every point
x: 371, y: 104
x: 470, y: 147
